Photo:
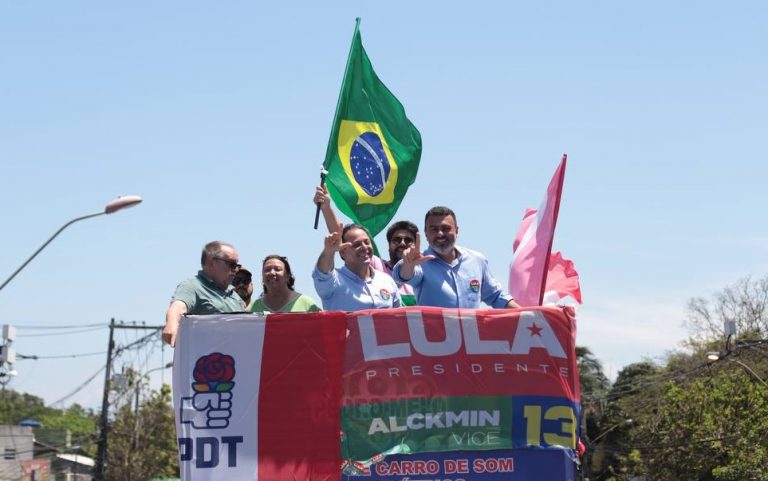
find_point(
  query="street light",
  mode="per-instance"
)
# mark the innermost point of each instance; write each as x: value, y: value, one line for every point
x: 120, y: 203
x: 714, y: 356
x: 717, y: 356
x: 146, y: 375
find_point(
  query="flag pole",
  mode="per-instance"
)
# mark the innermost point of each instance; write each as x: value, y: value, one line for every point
x: 554, y: 224
x: 331, y: 140
x: 323, y: 172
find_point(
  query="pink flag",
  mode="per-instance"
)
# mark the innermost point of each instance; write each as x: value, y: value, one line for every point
x: 562, y: 281
x: 533, y: 244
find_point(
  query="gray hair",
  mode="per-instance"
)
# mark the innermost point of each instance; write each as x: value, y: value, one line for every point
x: 213, y: 250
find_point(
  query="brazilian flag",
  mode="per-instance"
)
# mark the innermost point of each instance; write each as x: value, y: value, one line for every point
x: 374, y: 150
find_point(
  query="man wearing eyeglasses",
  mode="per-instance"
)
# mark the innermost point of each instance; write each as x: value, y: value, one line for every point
x: 400, y: 236
x: 243, y: 284
x: 210, y: 292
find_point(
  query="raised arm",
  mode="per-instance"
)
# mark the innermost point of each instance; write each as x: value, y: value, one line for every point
x: 331, y: 245
x: 322, y: 198
x: 412, y: 257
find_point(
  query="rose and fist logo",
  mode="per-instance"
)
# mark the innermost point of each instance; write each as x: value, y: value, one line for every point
x: 210, y: 407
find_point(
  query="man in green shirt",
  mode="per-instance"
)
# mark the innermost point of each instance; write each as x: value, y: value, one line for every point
x: 210, y: 292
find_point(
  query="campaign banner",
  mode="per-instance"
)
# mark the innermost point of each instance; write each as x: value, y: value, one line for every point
x: 499, y: 465
x: 258, y: 397
x: 293, y: 396
x: 420, y: 380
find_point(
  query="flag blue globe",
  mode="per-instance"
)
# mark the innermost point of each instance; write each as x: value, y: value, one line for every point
x: 369, y: 162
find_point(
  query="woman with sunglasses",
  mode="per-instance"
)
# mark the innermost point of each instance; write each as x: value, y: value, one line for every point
x: 279, y: 296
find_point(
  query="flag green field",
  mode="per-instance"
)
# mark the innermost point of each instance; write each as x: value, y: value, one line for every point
x: 374, y: 150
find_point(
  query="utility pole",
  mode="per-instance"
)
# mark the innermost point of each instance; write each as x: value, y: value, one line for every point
x: 7, y: 355
x: 98, y: 471
x: 101, y: 456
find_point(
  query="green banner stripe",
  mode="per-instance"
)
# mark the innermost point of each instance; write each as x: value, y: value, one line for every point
x: 422, y: 425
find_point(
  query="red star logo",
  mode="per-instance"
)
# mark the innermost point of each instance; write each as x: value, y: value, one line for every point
x: 535, y: 330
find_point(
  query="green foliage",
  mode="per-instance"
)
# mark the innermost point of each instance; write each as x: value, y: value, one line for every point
x: 593, y: 381
x: 694, y: 419
x: 15, y: 407
x: 627, y: 403
x: 710, y: 425
x: 143, y: 445
x: 80, y: 422
x: 594, y: 386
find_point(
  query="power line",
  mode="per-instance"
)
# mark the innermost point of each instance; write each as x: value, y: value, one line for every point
x: 643, y: 381
x: 57, y: 326
x: 138, y: 342
x: 79, y: 388
x: 50, y: 334
x: 649, y: 447
x: 36, y: 357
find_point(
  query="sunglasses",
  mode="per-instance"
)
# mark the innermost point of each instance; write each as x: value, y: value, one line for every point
x: 398, y: 239
x: 232, y: 264
x: 241, y: 281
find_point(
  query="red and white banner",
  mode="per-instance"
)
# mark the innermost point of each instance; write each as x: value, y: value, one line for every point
x: 293, y: 396
x: 427, y: 379
x: 258, y: 398
x: 395, y: 354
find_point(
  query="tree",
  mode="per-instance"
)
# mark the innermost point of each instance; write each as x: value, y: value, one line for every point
x: 80, y: 422
x: 591, y: 376
x: 142, y: 444
x: 709, y: 425
x: 695, y: 419
x: 594, y: 386
x: 630, y: 398
x: 15, y: 407
x: 745, y: 303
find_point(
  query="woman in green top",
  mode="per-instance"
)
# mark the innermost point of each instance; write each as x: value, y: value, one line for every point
x: 278, y: 295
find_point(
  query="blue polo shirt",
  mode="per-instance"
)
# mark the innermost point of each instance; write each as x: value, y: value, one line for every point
x: 465, y: 283
x: 343, y: 290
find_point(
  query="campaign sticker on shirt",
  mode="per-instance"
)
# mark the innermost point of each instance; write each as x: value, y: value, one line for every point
x: 474, y: 285
x: 384, y: 294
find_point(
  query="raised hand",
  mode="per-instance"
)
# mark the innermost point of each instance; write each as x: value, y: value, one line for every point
x: 331, y: 245
x: 323, y: 199
x: 333, y: 240
x: 412, y: 256
x: 321, y: 196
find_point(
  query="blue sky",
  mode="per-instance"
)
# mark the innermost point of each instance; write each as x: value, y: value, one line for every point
x: 219, y: 115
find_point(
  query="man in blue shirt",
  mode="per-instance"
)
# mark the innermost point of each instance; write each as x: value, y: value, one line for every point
x: 446, y: 275
x: 356, y: 285
x: 400, y: 235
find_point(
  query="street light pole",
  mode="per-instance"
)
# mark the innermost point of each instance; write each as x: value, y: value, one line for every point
x: 139, y: 379
x: 120, y: 203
